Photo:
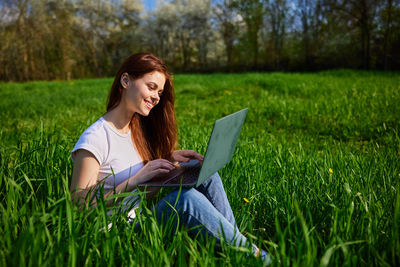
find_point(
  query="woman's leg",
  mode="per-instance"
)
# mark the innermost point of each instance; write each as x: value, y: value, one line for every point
x: 214, y: 190
x: 199, y: 214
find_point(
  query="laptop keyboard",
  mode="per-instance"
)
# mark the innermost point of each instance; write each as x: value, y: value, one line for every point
x: 189, y: 176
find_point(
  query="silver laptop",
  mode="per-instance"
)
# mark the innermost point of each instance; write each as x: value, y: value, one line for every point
x: 219, y: 152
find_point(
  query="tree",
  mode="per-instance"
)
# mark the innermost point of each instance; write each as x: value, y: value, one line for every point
x: 227, y: 23
x: 311, y: 15
x: 159, y: 29
x: 252, y: 12
x: 277, y: 18
x: 193, y: 29
x: 361, y: 14
x: 182, y: 29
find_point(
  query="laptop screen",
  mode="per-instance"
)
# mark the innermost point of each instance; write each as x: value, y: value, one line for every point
x: 222, y: 144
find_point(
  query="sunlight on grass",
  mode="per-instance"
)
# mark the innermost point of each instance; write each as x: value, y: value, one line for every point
x: 314, y: 179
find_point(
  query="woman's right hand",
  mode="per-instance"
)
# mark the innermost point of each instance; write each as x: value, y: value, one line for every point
x: 152, y: 169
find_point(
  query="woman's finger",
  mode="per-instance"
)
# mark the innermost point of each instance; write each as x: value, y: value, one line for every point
x: 157, y: 162
x: 160, y: 161
x: 184, y: 158
x: 192, y: 154
x: 199, y: 157
x: 163, y: 164
x: 196, y: 155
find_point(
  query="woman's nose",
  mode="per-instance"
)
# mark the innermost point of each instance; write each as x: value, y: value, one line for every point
x: 156, y: 98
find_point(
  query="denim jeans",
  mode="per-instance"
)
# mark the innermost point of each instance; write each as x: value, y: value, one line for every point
x: 204, y: 209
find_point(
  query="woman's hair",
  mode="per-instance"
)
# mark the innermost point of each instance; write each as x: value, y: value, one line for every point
x: 154, y: 136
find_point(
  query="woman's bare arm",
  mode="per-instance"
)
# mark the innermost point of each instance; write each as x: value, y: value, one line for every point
x: 86, y: 168
x: 84, y: 176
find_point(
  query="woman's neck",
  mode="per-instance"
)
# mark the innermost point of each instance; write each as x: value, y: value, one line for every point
x: 120, y: 118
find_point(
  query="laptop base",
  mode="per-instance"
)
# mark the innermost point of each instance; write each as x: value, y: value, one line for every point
x: 185, y: 175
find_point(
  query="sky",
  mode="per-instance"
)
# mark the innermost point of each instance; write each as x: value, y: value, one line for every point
x: 149, y: 4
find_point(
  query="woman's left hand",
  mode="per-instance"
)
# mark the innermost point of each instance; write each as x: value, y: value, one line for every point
x: 186, y: 155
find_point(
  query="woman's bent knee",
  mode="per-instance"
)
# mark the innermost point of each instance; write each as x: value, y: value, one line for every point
x: 182, y: 201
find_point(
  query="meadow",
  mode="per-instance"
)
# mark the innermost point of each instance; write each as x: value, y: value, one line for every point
x: 314, y: 179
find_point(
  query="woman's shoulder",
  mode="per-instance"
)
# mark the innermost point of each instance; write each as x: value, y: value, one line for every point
x: 97, y: 128
x: 96, y: 131
x: 93, y: 139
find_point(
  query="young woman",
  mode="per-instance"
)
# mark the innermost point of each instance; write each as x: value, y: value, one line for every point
x: 135, y: 140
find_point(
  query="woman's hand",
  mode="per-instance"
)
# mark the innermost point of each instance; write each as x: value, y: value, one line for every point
x: 186, y: 155
x: 152, y: 169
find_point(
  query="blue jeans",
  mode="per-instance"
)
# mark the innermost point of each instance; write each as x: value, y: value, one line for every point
x: 204, y: 209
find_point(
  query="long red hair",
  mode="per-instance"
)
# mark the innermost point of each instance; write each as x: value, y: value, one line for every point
x: 155, y: 135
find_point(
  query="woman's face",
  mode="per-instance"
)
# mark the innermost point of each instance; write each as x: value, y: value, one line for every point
x: 142, y: 94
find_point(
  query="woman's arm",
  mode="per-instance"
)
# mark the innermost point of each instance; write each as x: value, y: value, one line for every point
x: 84, y: 176
x: 86, y: 168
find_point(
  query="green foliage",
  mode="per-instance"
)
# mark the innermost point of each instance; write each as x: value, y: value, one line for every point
x: 317, y: 159
x: 73, y: 39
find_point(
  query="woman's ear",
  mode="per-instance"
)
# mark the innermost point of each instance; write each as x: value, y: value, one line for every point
x: 124, y: 80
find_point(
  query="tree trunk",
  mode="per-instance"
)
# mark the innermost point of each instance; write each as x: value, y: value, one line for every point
x: 387, y: 35
x: 365, y: 35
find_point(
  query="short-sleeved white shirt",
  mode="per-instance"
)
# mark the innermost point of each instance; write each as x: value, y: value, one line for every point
x: 115, y: 152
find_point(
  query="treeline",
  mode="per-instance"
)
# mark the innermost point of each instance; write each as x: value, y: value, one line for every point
x: 42, y: 39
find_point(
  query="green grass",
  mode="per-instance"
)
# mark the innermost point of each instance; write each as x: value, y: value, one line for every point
x: 299, y: 126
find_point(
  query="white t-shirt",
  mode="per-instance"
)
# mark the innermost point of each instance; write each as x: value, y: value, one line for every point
x: 115, y: 152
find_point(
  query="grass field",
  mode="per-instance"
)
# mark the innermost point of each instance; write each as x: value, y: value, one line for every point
x: 317, y: 160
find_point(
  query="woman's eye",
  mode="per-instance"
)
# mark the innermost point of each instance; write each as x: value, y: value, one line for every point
x: 152, y: 86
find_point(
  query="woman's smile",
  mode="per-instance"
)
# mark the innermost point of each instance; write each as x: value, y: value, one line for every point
x: 149, y: 104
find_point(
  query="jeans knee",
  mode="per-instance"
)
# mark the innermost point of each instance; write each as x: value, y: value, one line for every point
x: 214, y: 180
x: 189, y: 199
x: 180, y: 203
x: 180, y: 200
x: 215, y: 176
